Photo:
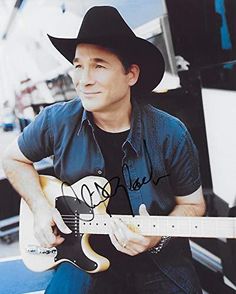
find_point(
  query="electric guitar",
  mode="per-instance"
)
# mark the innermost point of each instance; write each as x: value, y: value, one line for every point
x: 83, y: 208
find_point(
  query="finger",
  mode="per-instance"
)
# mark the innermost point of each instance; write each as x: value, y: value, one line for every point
x: 44, y: 239
x: 116, y: 243
x: 52, y: 240
x: 55, y: 230
x: 59, y: 239
x: 116, y: 232
x: 41, y: 240
x: 42, y: 231
x: 119, y: 233
x: 128, y: 233
x: 136, y: 243
x: 60, y: 223
x: 139, y: 243
x: 119, y: 247
x: 143, y: 210
x: 123, y: 228
x: 49, y: 237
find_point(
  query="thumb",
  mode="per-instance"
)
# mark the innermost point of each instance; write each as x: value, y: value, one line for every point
x: 60, y: 223
x: 143, y: 210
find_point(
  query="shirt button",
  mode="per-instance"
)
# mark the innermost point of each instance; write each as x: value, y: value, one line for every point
x: 99, y: 171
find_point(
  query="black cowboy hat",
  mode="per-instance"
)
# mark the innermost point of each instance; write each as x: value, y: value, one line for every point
x: 103, y: 25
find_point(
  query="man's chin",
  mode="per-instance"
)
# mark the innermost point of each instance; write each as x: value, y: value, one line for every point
x: 91, y: 107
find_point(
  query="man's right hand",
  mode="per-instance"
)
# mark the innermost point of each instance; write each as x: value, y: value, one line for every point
x: 48, y: 224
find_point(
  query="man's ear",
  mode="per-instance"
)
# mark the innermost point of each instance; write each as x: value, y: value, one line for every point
x: 133, y: 74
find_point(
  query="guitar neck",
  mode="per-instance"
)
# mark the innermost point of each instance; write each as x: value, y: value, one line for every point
x: 201, y: 227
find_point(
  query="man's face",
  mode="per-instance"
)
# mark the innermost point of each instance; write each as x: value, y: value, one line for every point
x: 100, y: 78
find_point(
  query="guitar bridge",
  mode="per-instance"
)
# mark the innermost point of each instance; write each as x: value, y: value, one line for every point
x: 38, y: 250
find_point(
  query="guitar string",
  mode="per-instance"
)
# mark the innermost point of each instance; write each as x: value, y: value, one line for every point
x: 68, y: 206
x: 72, y: 221
x: 73, y: 215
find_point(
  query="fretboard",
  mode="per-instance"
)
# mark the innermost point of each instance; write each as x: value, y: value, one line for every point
x: 202, y: 227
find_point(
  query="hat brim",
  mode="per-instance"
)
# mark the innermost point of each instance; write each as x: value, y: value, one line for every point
x: 140, y: 51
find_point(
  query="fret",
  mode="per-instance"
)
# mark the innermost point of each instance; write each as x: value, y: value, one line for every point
x: 202, y: 227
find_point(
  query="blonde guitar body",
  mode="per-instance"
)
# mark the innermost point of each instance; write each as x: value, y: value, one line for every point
x: 75, y: 248
x: 83, y: 208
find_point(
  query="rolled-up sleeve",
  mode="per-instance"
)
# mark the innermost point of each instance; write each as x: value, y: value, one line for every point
x: 184, y: 167
x: 36, y: 140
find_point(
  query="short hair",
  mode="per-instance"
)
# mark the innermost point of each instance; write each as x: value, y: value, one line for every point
x: 124, y: 59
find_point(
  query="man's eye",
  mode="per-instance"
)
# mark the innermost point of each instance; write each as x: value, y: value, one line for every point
x: 99, y: 66
x: 78, y: 66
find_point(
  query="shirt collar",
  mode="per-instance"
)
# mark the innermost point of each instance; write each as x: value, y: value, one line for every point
x: 135, y: 135
x: 85, y: 120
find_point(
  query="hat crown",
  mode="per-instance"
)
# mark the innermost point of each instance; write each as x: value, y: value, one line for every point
x: 102, y: 22
x: 104, y: 26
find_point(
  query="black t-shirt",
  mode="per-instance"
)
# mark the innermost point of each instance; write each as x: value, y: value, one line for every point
x: 111, y: 148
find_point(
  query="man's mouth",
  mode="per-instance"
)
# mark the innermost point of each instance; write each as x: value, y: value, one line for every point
x: 90, y: 93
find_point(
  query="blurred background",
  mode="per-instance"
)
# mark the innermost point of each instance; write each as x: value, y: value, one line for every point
x: 198, y: 41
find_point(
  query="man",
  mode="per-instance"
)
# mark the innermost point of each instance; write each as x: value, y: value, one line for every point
x: 147, y: 156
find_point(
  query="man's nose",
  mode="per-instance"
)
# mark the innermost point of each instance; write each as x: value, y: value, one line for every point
x: 86, y: 78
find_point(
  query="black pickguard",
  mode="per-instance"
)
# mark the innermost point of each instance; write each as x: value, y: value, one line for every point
x: 71, y: 248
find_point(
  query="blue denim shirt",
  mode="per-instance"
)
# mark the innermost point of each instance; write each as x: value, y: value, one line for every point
x: 160, y: 160
x: 158, y: 146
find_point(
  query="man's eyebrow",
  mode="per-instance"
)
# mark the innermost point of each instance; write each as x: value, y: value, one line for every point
x: 76, y: 59
x: 100, y: 60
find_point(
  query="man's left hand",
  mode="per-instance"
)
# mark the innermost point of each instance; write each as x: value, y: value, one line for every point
x: 129, y: 242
